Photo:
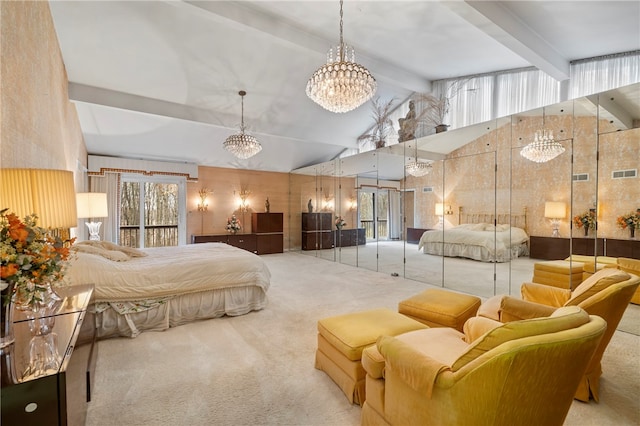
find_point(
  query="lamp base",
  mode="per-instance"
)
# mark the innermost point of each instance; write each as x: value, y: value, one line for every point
x: 94, y: 230
x: 555, y: 228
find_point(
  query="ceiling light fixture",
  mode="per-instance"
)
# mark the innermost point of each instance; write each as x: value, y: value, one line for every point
x: 418, y: 168
x: 341, y: 84
x: 242, y: 145
x: 544, y: 147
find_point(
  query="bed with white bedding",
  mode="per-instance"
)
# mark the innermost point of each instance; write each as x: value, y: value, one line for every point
x: 162, y: 287
x: 479, y: 241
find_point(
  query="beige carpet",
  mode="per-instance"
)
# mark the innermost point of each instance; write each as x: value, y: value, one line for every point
x: 257, y: 369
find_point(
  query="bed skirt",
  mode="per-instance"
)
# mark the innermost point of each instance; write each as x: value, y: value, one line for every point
x: 475, y: 252
x: 178, y: 310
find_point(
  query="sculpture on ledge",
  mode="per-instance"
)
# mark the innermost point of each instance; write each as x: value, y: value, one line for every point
x: 408, y: 124
x: 310, y: 206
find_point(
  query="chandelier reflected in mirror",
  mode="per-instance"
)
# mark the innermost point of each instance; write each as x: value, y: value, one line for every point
x: 418, y: 168
x: 341, y: 84
x: 543, y: 148
x: 241, y: 144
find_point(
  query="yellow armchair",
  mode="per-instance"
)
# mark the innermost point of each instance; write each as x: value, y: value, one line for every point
x: 493, y: 374
x: 606, y: 293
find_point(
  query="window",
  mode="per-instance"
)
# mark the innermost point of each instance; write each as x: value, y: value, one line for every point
x: 152, y: 211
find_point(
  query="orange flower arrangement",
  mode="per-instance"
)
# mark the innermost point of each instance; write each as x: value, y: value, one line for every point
x: 30, y: 257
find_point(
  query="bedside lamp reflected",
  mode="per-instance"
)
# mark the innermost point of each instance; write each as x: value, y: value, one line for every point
x: 554, y: 211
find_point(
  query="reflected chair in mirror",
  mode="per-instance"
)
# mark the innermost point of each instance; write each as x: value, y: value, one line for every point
x: 606, y: 294
x: 523, y: 372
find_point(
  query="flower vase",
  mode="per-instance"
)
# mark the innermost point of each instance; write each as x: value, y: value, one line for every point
x: 39, y: 297
x: 43, y: 346
x: 632, y: 231
x: 586, y: 231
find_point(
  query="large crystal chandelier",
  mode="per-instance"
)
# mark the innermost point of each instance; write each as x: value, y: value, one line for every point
x: 418, y: 168
x: 341, y: 84
x: 543, y: 148
x: 242, y: 145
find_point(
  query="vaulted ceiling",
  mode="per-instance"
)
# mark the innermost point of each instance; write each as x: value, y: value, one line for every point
x: 160, y: 79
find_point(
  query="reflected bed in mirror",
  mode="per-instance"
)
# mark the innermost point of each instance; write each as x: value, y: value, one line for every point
x: 477, y: 238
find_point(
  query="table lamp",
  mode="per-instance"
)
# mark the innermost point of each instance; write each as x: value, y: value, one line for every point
x: 92, y: 205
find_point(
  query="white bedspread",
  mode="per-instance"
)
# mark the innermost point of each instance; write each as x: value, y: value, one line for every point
x: 479, y: 241
x: 169, y: 271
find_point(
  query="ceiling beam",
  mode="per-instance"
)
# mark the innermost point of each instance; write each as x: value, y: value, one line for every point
x: 496, y: 20
x: 278, y: 28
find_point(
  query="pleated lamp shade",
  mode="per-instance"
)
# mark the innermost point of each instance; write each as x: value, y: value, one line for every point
x: 49, y: 194
x: 92, y: 205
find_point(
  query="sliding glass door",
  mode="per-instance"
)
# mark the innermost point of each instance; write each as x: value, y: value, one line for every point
x: 152, y: 211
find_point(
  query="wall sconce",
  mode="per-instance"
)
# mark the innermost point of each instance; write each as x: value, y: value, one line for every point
x: 442, y: 210
x: 202, y: 205
x: 352, y: 203
x: 244, y: 206
x: 327, y: 204
x: 554, y: 211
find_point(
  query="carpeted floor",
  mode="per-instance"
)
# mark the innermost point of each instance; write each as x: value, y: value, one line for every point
x: 257, y: 369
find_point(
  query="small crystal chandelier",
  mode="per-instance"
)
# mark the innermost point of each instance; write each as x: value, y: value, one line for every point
x: 341, y: 84
x: 543, y: 148
x: 418, y: 168
x: 242, y: 145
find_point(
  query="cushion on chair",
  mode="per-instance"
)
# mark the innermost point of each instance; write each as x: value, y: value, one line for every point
x: 596, y: 283
x: 547, y: 295
x: 562, y: 319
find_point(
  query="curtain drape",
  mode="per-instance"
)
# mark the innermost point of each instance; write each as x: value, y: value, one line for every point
x: 475, y: 99
x: 110, y: 184
x: 599, y: 74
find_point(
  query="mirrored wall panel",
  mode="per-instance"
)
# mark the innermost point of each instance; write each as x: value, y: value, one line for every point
x: 483, y: 209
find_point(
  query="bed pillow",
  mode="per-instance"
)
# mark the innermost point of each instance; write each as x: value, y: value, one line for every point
x: 106, y: 245
x: 116, y: 256
x: 133, y: 252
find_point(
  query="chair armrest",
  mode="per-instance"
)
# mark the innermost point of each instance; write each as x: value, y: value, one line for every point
x: 477, y: 326
x: 373, y: 362
x: 545, y: 294
x: 514, y: 309
x: 415, y: 368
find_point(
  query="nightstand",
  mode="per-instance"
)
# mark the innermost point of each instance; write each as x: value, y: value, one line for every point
x: 59, y: 397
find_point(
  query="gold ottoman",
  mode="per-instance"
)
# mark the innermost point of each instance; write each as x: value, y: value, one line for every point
x: 342, y: 338
x: 558, y: 273
x: 440, y: 308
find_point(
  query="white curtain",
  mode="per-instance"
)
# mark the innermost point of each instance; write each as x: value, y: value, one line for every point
x: 395, y: 218
x: 595, y: 75
x: 475, y: 99
x: 524, y: 90
x: 110, y: 184
x: 471, y: 99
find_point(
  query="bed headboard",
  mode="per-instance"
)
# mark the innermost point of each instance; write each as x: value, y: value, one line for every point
x: 517, y: 220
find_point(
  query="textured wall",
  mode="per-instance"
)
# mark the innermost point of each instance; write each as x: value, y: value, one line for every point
x: 470, y: 181
x: 39, y: 127
x: 225, y: 186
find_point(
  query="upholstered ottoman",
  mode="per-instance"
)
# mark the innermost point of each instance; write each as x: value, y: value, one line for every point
x: 558, y: 273
x: 440, y: 308
x: 342, y: 338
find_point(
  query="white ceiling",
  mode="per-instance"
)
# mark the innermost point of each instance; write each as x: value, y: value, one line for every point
x: 160, y: 79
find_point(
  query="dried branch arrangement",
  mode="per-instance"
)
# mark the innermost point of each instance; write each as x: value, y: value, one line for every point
x: 383, y: 125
